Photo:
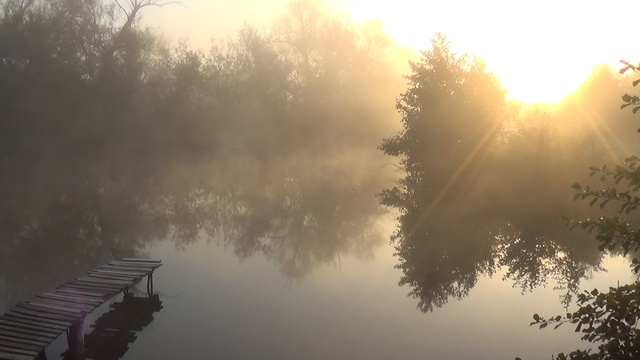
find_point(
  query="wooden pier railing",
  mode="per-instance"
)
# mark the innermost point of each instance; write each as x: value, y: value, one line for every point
x: 28, y: 328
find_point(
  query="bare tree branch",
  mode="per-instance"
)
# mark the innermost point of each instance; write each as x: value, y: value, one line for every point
x: 122, y: 8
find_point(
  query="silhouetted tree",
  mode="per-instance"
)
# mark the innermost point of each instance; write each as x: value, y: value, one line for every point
x: 472, y: 197
x: 450, y: 117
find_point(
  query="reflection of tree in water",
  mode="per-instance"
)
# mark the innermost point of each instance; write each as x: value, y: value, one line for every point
x: 447, y: 262
x: 113, y: 331
x: 301, y: 224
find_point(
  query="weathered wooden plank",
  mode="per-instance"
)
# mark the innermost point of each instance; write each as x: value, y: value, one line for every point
x: 9, y: 356
x: 143, y: 272
x: 63, y: 304
x: 20, y: 346
x: 24, y: 319
x: 28, y: 334
x: 21, y: 339
x: 122, y: 273
x: 131, y: 265
x: 87, y: 281
x: 132, y: 268
x: 10, y: 350
x: 129, y: 278
x: 74, y: 299
x: 41, y: 344
x: 142, y: 260
x: 106, y: 294
x: 38, y: 314
x: 20, y: 325
x: 125, y: 268
x: 115, y: 283
x: 56, y: 309
x: 106, y: 290
x: 71, y: 291
x: 27, y: 344
x: 136, y: 262
x: 23, y: 344
x: 75, y: 315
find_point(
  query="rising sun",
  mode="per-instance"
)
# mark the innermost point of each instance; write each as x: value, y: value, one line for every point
x: 540, y: 50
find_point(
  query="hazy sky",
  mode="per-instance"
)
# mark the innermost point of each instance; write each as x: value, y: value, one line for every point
x: 540, y: 49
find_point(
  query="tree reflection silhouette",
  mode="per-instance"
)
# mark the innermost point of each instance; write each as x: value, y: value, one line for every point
x: 114, y: 330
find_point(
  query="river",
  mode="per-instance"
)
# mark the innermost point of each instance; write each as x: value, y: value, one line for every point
x: 216, y: 306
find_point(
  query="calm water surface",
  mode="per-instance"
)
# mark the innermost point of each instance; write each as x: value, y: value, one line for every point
x: 218, y: 307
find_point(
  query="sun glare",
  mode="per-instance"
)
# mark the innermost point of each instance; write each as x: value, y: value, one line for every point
x: 549, y: 82
x: 540, y: 50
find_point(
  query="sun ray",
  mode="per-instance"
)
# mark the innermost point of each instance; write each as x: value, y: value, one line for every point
x: 603, y: 131
x: 473, y: 156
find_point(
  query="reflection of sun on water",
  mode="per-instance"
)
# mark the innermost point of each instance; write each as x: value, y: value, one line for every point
x: 541, y: 50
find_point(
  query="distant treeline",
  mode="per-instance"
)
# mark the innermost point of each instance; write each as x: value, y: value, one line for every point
x: 111, y: 139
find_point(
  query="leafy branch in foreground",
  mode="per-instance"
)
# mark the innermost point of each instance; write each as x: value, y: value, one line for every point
x: 609, y: 318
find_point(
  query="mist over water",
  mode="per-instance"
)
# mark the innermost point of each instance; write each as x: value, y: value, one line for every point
x: 283, y: 146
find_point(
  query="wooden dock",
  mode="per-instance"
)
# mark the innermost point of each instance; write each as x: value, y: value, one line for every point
x: 28, y: 328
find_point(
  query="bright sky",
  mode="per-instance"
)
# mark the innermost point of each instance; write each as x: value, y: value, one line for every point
x: 540, y: 49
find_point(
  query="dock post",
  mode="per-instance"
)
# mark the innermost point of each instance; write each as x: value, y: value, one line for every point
x: 75, y: 338
x: 150, y: 284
